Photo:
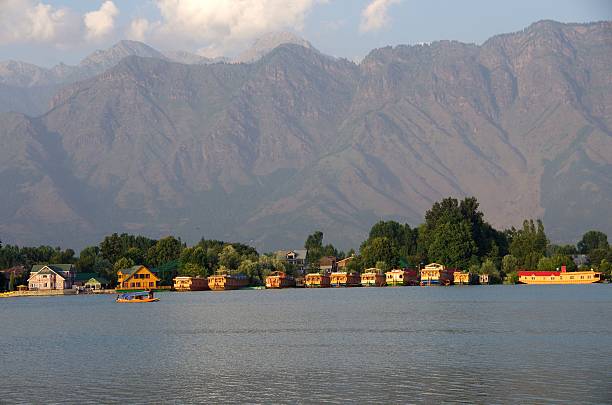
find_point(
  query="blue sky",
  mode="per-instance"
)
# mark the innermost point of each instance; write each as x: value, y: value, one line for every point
x: 46, y: 32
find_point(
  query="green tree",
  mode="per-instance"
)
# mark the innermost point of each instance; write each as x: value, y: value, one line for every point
x: 379, y: 249
x: 509, y: 264
x: 122, y: 263
x: 229, y: 258
x: 528, y: 244
x: 11, y: 286
x: 87, y: 259
x: 382, y: 265
x: 605, y: 267
x: 452, y: 245
x: 165, y: 250
x: 192, y: 270
x: 488, y: 267
x: 599, y: 254
x: 593, y: 240
x: 556, y: 262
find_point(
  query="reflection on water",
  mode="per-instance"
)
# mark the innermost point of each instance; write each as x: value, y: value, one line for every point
x: 503, y: 344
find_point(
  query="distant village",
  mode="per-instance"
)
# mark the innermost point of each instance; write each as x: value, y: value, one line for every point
x: 454, y: 246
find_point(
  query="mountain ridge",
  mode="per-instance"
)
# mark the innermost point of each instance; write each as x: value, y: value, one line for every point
x: 269, y: 151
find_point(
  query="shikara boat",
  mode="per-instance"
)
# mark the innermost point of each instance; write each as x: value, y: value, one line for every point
x: 136, y: 297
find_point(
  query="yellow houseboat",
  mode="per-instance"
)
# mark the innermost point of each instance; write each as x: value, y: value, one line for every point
x: 345, y: 279
x: 184, y: 283
x: 436, y: 274
x: 402, y: 277
x: 460, y: 278
x: 316, y: 280
x: 279, y: 279
x: 221, y: 282
x: 558, y: 277
x: 373, y: 277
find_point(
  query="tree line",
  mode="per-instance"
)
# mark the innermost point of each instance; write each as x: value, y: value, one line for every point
x: 454, y: 233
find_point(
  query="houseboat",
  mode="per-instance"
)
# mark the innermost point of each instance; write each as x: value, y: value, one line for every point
x: 222, y: 282
x: 398, y: 277
x: 279, y: 279
x: 558, y: 277
x: 436, y: 274
x: 190, y: 283
x: 317, y: 280
x: 461, y: 278
x: 373, y: 277
x: 345, y: 279
x: 300, y: 282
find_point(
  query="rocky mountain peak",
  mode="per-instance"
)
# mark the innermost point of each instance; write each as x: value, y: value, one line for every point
x: 268, y: 42
x: 105, y: 58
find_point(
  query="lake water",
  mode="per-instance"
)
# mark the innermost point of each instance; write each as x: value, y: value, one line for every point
x: 471, y: 344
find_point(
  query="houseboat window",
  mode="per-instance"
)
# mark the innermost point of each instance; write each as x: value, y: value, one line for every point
x: 582, y: 277
x: 147, y: 275
x: 571, y: 277
x: 138, y: 284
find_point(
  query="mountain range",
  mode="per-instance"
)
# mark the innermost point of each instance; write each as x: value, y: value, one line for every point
x: 285, y: 140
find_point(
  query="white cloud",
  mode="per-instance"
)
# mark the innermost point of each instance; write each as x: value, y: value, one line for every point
x: 138, y: 29
x: 101, y: 22
x: 30, y: 21
x: 376, y: 15
x: 218, y: 26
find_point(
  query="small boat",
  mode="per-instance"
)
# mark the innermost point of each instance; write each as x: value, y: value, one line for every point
x: 142, y: 296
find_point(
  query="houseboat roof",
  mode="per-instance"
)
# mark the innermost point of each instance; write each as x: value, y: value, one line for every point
x: 538, y: 273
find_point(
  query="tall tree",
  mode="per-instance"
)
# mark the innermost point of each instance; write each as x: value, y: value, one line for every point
x: 528, y: 244
x: 593, y: 240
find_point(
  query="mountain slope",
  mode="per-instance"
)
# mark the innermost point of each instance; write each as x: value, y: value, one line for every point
x: 268, y: 151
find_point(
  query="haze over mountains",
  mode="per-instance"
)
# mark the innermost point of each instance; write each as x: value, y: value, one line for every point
x: 292, y: 140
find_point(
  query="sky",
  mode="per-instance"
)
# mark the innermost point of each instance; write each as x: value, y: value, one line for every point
x: 47, y: 32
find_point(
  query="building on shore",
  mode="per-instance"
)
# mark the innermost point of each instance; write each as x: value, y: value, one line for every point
x: 187, y: 283
x: 96, y: 283
x: 317, y: 280
x: 328, y: 264
x: 373, y: 277
x: 51, y: 277
x: 558, y: 277
x: 137, y: 278
x: 295, y: 258
x: 223, y: 282
x: 397, y: 277
x: 437, y: 274
x: 341, y: 264
x: 344, y: 279
x: 279, y: 279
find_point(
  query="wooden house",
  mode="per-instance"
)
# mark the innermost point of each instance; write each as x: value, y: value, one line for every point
x: 137, y: 278
x: 51, y: 277
x: 373, y: 277
x: 186, y: 283
x: 344, y: 279
x: 96, y: 283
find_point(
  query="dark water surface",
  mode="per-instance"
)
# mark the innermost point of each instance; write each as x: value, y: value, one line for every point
x: 498, y: 344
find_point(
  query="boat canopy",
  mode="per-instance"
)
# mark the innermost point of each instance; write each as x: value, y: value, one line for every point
x: 135, y: 294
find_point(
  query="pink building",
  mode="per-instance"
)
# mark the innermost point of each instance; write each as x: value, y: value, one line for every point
x: 51, y: 277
